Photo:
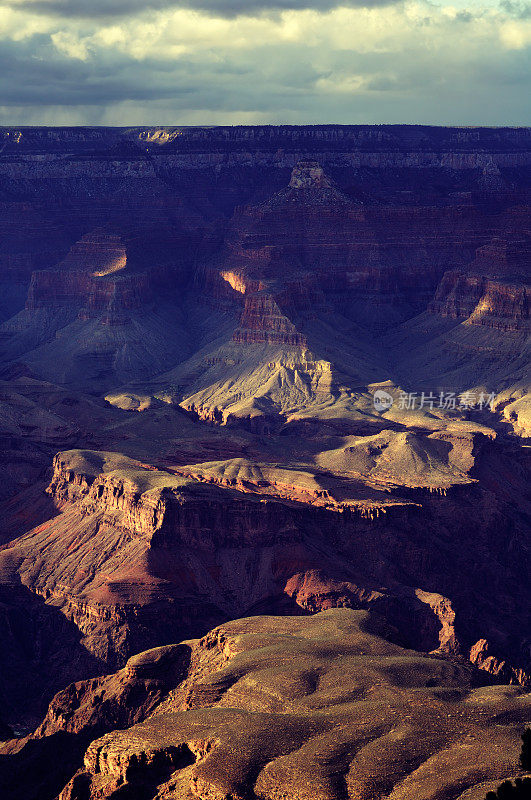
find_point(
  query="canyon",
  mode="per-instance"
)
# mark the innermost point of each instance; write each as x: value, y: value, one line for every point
x: 265, y: 413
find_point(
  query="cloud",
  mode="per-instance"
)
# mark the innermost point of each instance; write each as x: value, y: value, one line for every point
x: 223, y: 8
x: 518, y: 9
x: 516, y: 35
x: 407, y: 62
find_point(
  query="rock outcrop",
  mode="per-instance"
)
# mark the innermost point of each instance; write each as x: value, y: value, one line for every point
x: 484, y: 301
x: 86, y: 710
x: 91, y: 279
x: 263, y: 322
x: 315, y: 707
x: 140, y: 555
x: 98, y: 252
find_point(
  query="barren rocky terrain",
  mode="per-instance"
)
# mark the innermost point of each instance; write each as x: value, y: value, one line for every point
x: 319, y: 707
x: 264, y: 371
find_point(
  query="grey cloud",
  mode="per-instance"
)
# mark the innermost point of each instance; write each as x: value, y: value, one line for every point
x: 36, y: 79
x: 226, y: 8
x: 34, y: 74
x: 519, y: 9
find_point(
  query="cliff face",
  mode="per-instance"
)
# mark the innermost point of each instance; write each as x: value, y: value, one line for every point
x: 56, y: 289
x: 170, y: 510
x: 503, y: 257
x: 92, y: 278
x: 311, y: 249
x: 482, y: 301
x: 347, y: 226
x: 98, y: 252
x: 96, y: 317
x: 86, y: 710
x: 296, y: 230
x: 293, y: 253
x: 479, y: 147
x: 263, y: 321
x: 137, y: 554
x: 235, y: 328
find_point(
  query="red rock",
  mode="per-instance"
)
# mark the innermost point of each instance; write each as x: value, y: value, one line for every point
x: 482, y: 301
x: 92, y: 278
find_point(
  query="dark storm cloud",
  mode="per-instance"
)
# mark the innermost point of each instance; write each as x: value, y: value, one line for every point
x: 225, y: 8
x: 37, y: 76
x: 34, y: 74
x: 429, y: 67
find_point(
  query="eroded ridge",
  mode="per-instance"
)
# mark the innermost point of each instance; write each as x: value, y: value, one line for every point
x: 320, y: 708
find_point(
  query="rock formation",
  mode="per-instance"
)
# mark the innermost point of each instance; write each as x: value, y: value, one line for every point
x: 91, y: 278
x: 482, y: 301
x: 140, y: 555
x: 263, y: 321
x: 351, y: 711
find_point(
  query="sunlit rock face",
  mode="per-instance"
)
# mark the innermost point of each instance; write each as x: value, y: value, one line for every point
x: 99, y: 252
x: 482, y: 301
x: 92, y: 276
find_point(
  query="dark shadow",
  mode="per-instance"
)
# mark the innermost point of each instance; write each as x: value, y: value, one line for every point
x: 43, y: 767
x: 41, y: 653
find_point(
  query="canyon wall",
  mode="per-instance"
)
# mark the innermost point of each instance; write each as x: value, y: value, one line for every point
x: 482, y: 301
x: 315, y: 706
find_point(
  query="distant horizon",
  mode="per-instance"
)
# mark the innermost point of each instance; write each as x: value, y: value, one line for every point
x: 274, y: 125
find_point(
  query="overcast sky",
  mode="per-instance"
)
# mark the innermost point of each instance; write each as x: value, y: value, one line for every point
x: 139, y: 62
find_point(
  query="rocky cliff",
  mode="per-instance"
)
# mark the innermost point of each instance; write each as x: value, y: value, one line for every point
x: 140, y: 555
x: 263, y: 321
x: 351, y: 712
x: 92, y: 277
x: 482, y: 301
x: 349, y: 227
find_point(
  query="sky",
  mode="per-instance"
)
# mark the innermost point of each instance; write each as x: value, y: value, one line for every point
x: 227, y: 62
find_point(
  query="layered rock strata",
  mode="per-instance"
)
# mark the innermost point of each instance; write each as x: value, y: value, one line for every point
x: 322, y: 708
x: 273, y: 308
x: 480, y: 300
x: 138, y: 553
x: 263, y: 322
x: 91, y: 277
